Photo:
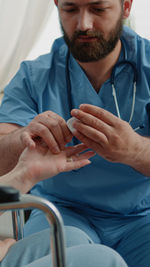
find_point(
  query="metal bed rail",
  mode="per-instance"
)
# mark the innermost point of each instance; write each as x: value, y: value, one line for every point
x: 27, y: 201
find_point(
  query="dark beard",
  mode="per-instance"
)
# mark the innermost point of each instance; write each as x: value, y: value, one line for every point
x: 96, y: 50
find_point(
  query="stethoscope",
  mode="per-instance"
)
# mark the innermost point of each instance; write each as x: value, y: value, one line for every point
x: 112, y: 80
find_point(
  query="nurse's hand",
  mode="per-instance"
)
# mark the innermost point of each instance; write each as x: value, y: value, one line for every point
x: 51, y: 128
x: 106, y: 134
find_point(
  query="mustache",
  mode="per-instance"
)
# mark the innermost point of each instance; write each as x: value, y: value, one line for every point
x: 93, y: 34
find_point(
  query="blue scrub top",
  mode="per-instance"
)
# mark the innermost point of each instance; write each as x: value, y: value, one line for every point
x: 102, y: 188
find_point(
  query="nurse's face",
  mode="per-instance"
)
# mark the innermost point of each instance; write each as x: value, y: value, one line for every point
x: 91, y: 28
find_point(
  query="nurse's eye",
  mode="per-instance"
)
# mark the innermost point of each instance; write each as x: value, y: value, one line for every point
x: 70, y: 10
x: 99, y: 10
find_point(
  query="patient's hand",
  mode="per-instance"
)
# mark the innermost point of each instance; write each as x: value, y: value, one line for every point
x: 41, y: 163
x: 4, y: 247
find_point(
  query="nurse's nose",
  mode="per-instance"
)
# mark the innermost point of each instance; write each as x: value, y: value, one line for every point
x: 85, y: 21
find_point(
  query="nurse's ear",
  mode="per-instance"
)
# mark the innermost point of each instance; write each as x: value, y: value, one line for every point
x: 56, y: 2
x: 127, y: 4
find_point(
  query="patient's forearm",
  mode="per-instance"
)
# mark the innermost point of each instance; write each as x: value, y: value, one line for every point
x: 18, y: 178
x: 10, y: 150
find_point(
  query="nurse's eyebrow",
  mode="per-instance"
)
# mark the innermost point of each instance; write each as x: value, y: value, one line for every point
x: 99, y: 2
x: 90, y: 3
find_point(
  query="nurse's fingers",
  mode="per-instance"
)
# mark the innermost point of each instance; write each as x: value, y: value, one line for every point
x: 56, y: 125
x: 85, y: 119
x: 96, y: 145
x: 29, y: 136
x: 99, y: 113
x: 26, y: 140
x: 51, y: 128
x: 55, y: 132
x: 67, y: 136
x: 84, y: 132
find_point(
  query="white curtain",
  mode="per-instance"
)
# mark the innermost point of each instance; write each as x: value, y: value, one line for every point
x: 21, y: 23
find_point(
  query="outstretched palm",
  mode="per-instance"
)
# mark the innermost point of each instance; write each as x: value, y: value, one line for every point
x: 42, y: 163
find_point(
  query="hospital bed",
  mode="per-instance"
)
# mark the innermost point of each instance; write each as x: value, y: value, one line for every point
x: 11, y: 199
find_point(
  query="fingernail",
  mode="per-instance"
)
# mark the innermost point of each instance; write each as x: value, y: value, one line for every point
x: 75, y: 111
x: 82, y: 105
x: 56, y: 149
